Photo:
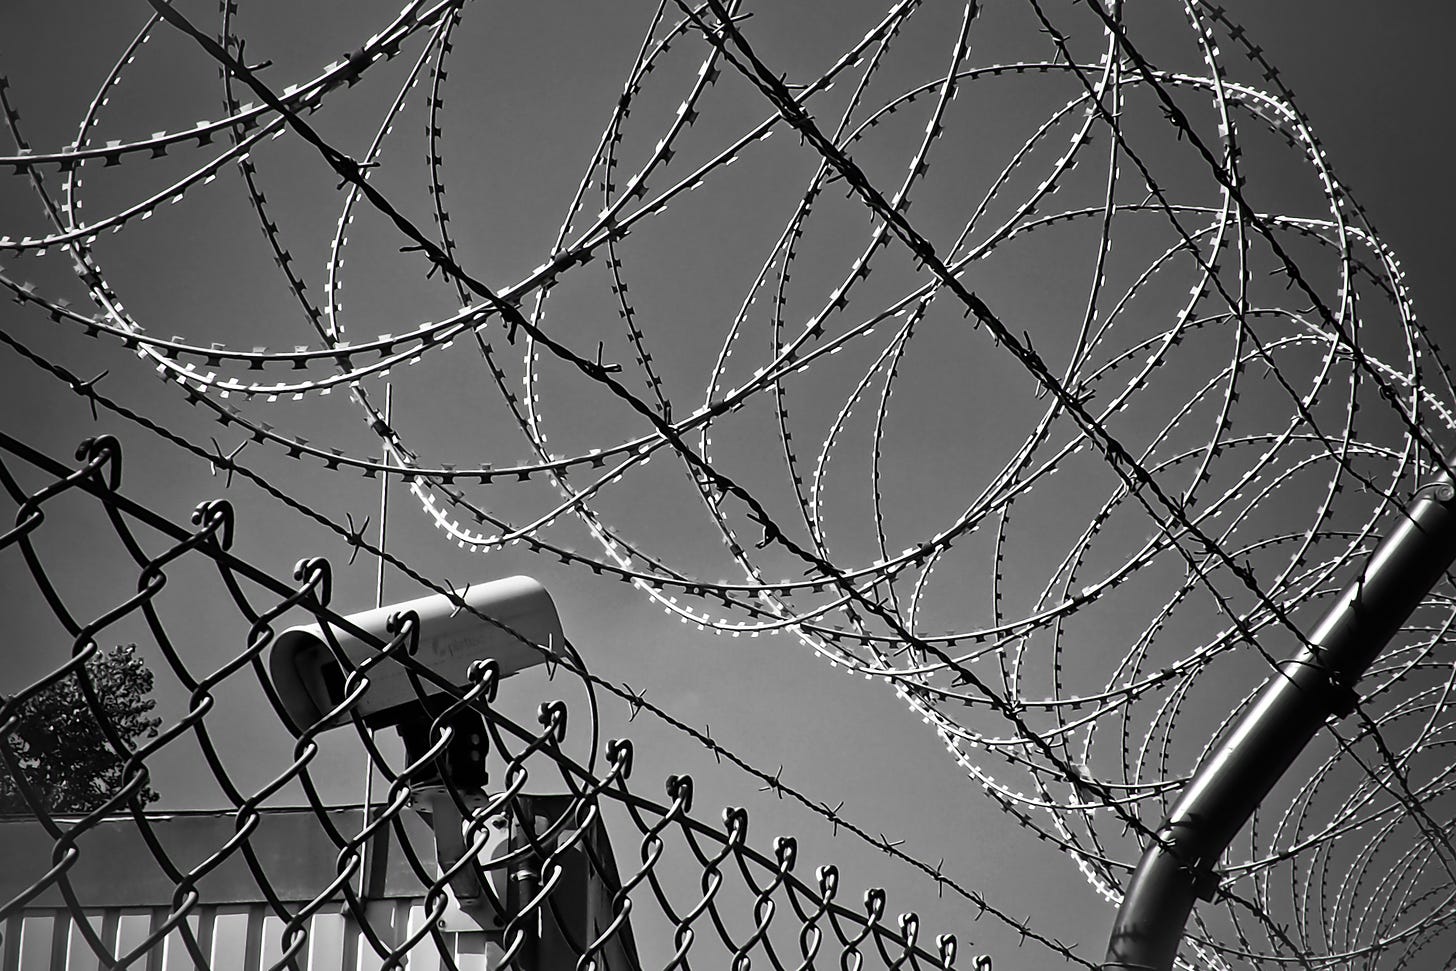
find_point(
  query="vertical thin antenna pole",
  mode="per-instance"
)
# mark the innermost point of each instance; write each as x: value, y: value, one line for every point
x: 378, y: 602
x: 384, y: 498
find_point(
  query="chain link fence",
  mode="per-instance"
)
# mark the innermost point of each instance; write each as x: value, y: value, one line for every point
x: 704, y: 889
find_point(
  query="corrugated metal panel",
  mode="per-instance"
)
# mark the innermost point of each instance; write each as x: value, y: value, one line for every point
x: 232, y: 938
x: 126, y: 901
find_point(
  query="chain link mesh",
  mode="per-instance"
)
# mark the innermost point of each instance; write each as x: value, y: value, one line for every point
x: 721, y: 899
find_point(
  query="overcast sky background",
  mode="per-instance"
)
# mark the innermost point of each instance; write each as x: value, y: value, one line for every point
x: 530, y: 90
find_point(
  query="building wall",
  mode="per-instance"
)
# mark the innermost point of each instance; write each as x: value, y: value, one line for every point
x: 113, y: 894
x: 232, y: 938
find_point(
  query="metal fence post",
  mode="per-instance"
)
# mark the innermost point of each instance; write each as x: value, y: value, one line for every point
x: 1179, y: 868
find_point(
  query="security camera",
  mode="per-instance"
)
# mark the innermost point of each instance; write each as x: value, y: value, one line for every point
x: 520, y: 629
x: 512, y: 622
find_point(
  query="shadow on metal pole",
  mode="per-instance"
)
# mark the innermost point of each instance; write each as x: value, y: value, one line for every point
x: 1318, y: 684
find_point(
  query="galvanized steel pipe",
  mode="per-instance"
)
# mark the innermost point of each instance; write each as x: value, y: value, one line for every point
x: 1178, y: 868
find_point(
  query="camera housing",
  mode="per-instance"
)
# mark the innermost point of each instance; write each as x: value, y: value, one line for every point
x: 523, y: 628
x: 511, y: 621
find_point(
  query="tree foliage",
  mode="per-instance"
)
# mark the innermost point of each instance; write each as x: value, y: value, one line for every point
x: 59, y: 745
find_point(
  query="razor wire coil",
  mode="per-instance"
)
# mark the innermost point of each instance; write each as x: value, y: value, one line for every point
x: 1231, y: 521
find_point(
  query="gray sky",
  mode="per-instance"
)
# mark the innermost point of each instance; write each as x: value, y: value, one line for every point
x: 529, y: 91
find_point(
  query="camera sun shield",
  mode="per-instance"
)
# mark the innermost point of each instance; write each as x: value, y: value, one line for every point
x: 523, y: 625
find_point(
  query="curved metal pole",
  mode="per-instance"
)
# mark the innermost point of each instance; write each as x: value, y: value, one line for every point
x: 1179, y: 868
